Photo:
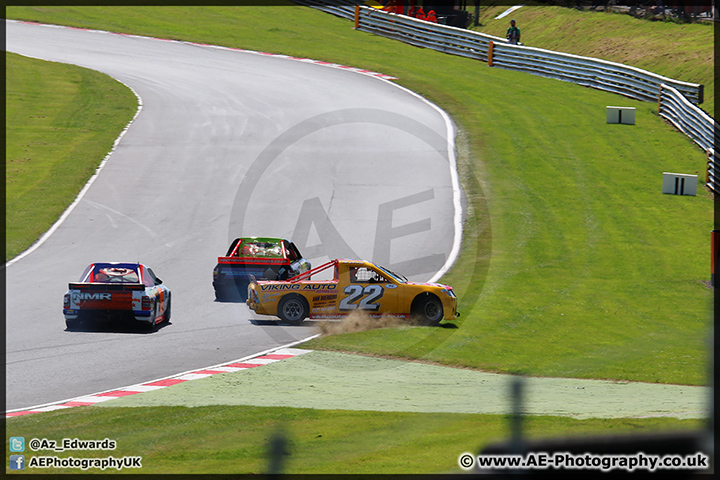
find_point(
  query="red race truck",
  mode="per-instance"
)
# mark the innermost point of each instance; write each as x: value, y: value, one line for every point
x: 250, y: 258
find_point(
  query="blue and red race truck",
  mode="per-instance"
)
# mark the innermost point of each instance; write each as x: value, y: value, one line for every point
x: 255, y: 258
x: 117, y: 291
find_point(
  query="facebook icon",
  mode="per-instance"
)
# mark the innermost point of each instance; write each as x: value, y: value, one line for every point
x: 17, y: 462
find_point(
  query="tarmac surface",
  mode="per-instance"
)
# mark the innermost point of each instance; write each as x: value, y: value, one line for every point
x: 331, y: 380
x: 226, y: 143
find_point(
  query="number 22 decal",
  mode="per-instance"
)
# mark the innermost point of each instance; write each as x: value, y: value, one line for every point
x: 354, y: 292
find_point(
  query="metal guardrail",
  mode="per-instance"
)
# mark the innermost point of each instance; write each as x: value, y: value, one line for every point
x: 676, y: 99
x: 443, y: 38
x: 693, y: 122
x: 341, y: 8
x: 590, y: 72
x: 600, y: 74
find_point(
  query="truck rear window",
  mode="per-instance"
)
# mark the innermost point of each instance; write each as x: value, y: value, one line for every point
x: 261, y: 249
x: 115, y: 275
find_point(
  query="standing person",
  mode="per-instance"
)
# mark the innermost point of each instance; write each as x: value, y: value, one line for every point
x: 513, y: 33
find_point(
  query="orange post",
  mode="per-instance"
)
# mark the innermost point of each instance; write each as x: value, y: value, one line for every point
x: 357, y: 16
x: 707, y: 173
x: 490, y: 54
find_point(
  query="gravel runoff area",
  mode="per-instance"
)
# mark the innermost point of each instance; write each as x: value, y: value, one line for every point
x: 338, y: 381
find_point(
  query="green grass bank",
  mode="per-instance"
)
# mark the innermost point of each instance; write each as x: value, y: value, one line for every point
x: 237, y: 440
x: 60, y: 122
x: 680, y: 51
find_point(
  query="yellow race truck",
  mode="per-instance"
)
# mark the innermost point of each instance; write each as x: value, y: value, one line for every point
x: 355, y: 285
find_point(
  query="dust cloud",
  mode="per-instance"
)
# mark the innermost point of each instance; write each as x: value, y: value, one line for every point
x: 361, y: 321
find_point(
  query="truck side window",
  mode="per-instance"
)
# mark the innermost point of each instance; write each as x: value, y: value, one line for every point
x: 292, y: 252
x: 366, y: 275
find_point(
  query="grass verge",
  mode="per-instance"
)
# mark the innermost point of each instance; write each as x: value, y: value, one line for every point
x: 61, y: 120
x: 238, y: 440
x: 679, y: 51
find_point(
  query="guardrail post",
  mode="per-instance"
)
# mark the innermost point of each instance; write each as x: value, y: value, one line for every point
x: 357, y: 17
x: 491, y: 46
x: 707, y: 167
x: 660, y: 97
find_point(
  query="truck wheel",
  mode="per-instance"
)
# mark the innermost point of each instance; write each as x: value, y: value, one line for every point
x: 293, y: 309
x: 78, y: 323
x: 428, y: 310
x: 72, y: 324
x: 220, y: 296
x: 166, y: 315
x: 148, y: 326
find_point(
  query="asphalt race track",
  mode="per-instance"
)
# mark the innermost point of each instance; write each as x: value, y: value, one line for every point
x: 227, y: 143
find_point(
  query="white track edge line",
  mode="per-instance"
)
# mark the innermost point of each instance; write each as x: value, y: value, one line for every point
x: 454, y: 177
x: 243, y: 359
x: 84, y: 190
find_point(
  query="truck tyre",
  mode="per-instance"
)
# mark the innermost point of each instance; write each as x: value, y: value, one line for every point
x: 293, y: 309
x: 72, y: 324
x: 428, y: 310
x: 78, y: 323
x: 149, y: 326
x: 219, y: 296
x: 166, y: 315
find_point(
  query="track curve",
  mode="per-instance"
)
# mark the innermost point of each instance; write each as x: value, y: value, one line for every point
x: 228, y: 143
